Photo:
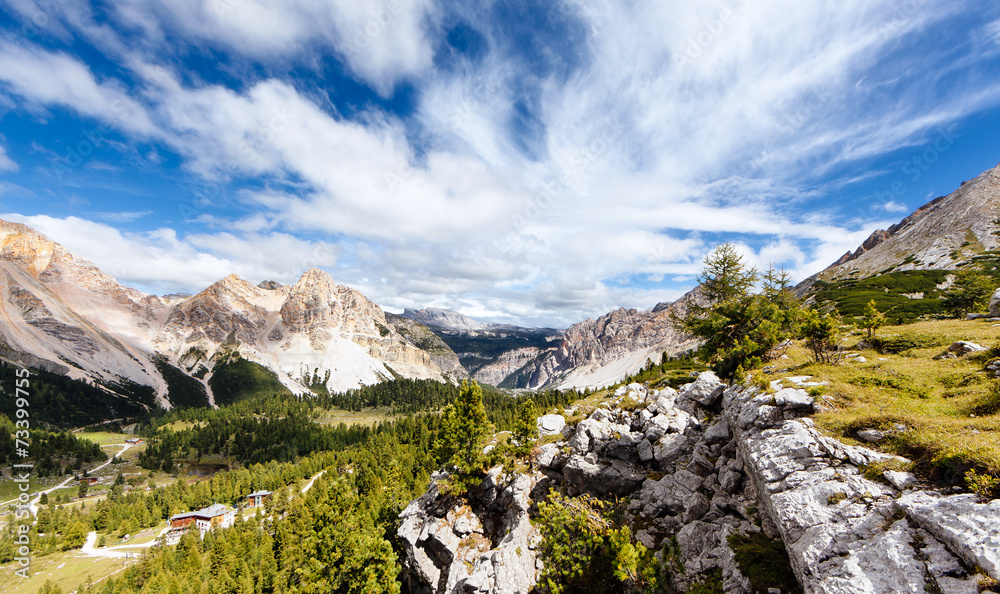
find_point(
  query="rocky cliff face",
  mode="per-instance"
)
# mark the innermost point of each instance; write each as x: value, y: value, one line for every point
x: 423, y: 338
x: 597, y: 353
x: 62, y: 313
x: 497, y: 371
x: 702, y: 464
x: 445, y: 319
x: 943, y: 234
x: 313, y: 328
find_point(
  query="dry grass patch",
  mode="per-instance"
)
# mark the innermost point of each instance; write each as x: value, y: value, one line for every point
x: 366, y: 416
x: 949, y: 407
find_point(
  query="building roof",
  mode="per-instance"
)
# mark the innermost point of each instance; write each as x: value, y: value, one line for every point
x: 214, y: 510
x: 258, y: 494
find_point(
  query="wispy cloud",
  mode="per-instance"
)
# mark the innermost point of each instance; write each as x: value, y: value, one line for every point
x: 552, y: 172
x: 122, y: 217
x: 6, y: 164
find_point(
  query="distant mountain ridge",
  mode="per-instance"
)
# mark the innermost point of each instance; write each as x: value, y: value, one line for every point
x: 944, y: 234
x: 62, y: 314
x: 589, y: 354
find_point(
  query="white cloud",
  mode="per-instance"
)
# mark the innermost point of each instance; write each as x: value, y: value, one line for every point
x: 6, y: 164
x: 676, y: 126
x: 54, y: 79
x: 161, y: 261
x: 893, y: 206
x: 383, y: 41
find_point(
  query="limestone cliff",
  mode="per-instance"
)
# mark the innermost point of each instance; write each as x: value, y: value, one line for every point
x: 597, y: 353
x: 700, y: 465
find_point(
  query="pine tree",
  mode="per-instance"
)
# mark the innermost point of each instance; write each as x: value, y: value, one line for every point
x: 970, y: 292
x: 873, y: 319
x: 740, y: 329
x: 525, y: 427
x: 464, y: 427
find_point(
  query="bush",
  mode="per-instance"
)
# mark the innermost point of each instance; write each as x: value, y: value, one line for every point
x: 821, y: 332
x: 764, y: 562
x: 898, y: 343
x: 985, y: 485
x: 585, y: 550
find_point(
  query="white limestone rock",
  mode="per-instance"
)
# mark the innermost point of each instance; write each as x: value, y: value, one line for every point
x: 900, y: 480
x: 705, y: 390
x: 969, y: 528
x: 963, y: 347
x: 551, y: 424
x: 995, y: 304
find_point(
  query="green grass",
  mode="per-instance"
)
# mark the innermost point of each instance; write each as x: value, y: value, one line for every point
x: 366, y: 416
x: 764, y: 562
x: 238, y: 379
x: 68, y: 569
x: 945, y: 404
x: 104, y: 438
x: 851, y: 296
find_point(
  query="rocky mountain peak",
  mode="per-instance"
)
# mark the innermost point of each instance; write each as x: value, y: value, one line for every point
x: 943, y: 234
x: 26, y: 247
x: 442, y: 318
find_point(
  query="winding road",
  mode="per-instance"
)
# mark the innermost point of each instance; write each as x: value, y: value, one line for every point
x: 33, y: 505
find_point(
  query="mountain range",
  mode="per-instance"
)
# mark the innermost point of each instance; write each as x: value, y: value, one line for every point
x: 61, y: 314
x: 947, y: 233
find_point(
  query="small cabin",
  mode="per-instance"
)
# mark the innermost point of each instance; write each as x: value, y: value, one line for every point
x: 256, y: 499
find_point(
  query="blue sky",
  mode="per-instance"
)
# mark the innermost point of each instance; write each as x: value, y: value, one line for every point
x: 528, y: 162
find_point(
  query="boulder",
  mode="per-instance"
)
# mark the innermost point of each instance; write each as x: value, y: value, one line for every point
x: 550, y: 424
x: 670, y: 448
x: 963, y: 347
x: 795, y: 399
x: 871, y: 435
x: 995, y: 304
x: 900, y: 480
x: 705, y: 390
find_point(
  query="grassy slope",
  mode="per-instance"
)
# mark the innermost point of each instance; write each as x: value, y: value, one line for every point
x: 238, y: 378
x: 936, y: 399
x: 888, y: 291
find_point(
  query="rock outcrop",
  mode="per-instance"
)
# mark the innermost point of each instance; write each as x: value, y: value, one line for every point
x: 708, y: 463
x: 441, y: 318
x: 481, y: 543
